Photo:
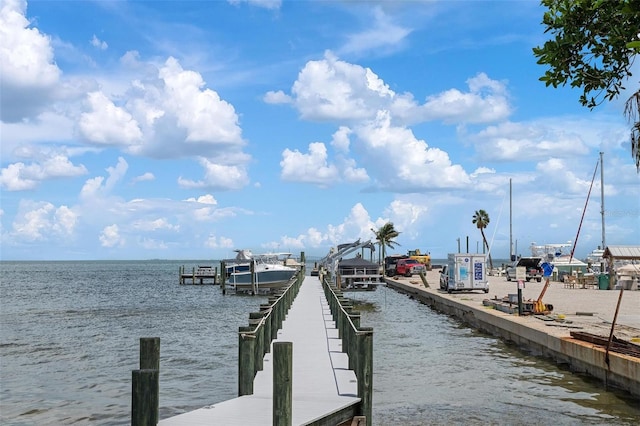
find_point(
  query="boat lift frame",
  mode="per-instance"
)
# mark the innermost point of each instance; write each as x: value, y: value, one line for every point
x: 330, y: 261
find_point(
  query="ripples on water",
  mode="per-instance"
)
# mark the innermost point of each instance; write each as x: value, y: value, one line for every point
x: 428, y: 369
x: 69, y: 340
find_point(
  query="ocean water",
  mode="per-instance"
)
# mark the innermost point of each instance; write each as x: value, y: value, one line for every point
x: 69, y: 336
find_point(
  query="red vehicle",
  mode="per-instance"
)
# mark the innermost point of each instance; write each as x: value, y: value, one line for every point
x: 409, y: 267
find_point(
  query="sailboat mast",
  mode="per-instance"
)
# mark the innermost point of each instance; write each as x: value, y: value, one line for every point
x: 511, y: 223
x: 602, y: 197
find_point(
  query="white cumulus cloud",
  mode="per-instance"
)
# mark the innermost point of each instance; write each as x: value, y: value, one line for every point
x: 110, y: 236
x: 311, y: 168
x: 28, y: 73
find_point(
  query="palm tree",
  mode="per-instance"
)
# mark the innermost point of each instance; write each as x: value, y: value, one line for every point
x: 384, y: 236
x: 481, y: 220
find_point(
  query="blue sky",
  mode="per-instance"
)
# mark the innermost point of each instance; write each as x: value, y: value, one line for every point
x: 185, y: 130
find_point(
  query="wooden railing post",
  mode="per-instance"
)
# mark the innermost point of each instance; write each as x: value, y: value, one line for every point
x: 364, y: 372
x: 223, y: 276
x: 352, y: 340
x: 254, y: 321
x: 282, y: 383
x: 246, y: 361
x: 265, y: 308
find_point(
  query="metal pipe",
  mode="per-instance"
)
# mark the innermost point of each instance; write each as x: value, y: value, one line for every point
x: 510, y: 221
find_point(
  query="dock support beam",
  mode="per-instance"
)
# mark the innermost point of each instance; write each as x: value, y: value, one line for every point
x: 282, y: 383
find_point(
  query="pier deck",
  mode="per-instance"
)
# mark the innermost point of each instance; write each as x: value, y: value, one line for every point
x: 322, y: 382
x: 198, y: 276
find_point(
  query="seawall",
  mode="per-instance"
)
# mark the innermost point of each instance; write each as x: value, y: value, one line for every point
x: 532, y: 334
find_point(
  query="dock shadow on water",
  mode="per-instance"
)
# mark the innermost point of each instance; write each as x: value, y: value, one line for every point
x: 69, y: 334
x: 429, y: 369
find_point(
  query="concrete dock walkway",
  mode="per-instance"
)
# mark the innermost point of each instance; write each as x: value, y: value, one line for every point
x: 322, y: 382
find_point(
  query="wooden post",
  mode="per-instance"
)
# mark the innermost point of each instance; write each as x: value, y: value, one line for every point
x: 364, y: 372
x: 144, y: 397
x: 254, y: 321
x: 180, y: 273
x: 423, y: 277
x: 150, y: 353
x: 246, y: 364
x: 145, y: 385
x: 282, y: 383
x: 252, y: 268
x: 352, y: 339
x: 265, y: 308
x: 223, y: 276
x: 193, y: 275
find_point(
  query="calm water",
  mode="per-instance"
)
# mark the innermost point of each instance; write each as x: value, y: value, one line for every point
x: 69, y: 339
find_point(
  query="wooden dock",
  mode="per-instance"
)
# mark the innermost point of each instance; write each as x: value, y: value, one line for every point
x: 200, y: 275
x: 324, y: 385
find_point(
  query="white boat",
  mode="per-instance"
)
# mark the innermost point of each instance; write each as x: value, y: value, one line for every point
x: 262, y: 272
x: 596, y: 257
x: 559, y: 255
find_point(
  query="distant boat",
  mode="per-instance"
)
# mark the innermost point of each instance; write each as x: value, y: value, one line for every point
x: 595, y: 257
x: 262, y: 272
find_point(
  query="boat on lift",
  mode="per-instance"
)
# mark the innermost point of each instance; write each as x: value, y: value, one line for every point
x: 254, y: 273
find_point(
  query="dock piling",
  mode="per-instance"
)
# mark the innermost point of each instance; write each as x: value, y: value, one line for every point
x: 145, y: 384
x: 144, y: 397
x: 246, y: 364
x: 282, y: 383
x: 364, y: 372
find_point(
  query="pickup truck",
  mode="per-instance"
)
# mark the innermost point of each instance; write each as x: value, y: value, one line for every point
x: 390, y: 264
x: 532, y: 265
x: 409, y: 267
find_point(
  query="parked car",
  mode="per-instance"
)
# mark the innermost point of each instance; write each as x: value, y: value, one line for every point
x: 444, y: 277
x: 409, y: 267
x: 532, y: 265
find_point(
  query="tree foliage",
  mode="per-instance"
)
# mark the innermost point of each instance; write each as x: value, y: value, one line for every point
x: 385, y: 237
x: 593, y: 47
x: 481, y: 220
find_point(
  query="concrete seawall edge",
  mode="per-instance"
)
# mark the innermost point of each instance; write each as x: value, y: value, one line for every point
x: 579, y: 356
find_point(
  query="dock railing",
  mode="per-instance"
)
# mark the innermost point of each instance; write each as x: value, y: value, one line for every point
x: 255, y: 339
x: 255, y: 342
x: 357, y: 343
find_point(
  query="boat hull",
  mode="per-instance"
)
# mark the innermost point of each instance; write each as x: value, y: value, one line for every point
x: 266, y: 279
